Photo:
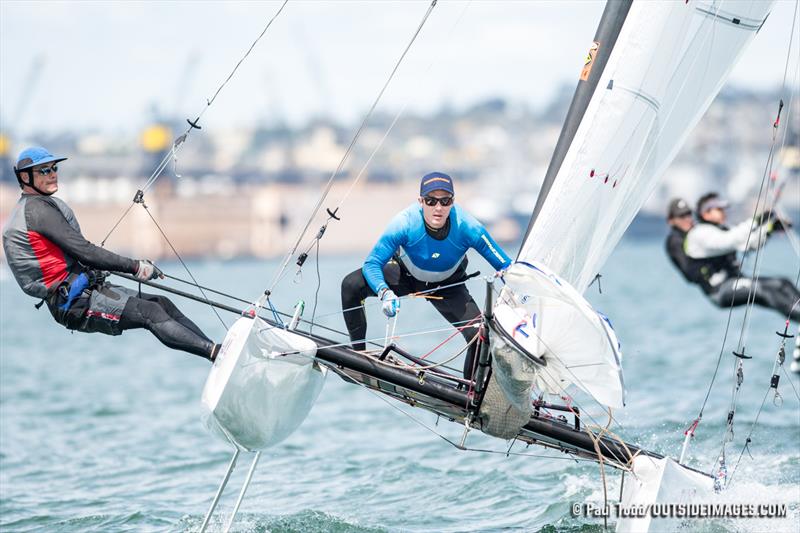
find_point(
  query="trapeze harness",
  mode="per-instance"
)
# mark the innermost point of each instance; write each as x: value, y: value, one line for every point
x: 720, y: 275
x: 52, y: 261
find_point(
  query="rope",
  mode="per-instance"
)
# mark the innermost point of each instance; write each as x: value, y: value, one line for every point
x: 420, y: 294
x: 316, y: 292
x: 458, y: 330
x: 442, y: 363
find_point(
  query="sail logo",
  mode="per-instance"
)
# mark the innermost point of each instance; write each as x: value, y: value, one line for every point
x: 587, y: 65
x: 524, y: 323
x: 435, y: 255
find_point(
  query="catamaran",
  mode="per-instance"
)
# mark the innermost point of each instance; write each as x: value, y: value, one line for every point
x: 650, y: 74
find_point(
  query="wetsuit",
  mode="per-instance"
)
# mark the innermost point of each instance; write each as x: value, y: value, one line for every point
x: 676, y: 253
x: 52, y: 261
x: 411, y: 257
x: 710, y: 251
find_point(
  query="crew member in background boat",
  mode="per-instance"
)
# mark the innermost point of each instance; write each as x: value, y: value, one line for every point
x: 679, y: 218
x: 52, y: 261
x: 712, y: 246
x: 424, y: 247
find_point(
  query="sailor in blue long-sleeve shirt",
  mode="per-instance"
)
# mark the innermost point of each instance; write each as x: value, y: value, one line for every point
x: 424, y: 247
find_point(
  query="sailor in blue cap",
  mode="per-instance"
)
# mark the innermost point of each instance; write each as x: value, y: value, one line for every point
x: 424, y: 249
x: 52, y: 261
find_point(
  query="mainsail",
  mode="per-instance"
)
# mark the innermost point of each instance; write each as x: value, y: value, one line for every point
x: 667, y: 65
x: 651, y: 73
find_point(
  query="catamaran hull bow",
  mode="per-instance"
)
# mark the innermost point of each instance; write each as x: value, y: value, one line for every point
x: 262, y: 385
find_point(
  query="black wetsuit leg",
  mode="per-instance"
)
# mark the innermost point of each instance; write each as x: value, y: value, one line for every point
x: 459, y: 308
x: 355, y: 291
x: 774, y: 293
x: 175, y: 313
x: 454, y: 303
x: 160, y: 316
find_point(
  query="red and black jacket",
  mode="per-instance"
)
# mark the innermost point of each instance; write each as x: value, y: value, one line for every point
x: 43, y: 245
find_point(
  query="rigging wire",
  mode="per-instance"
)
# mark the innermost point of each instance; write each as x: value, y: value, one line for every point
x: 739, y: 363
x: 248, y: 302
x: 459, y: 325
x: 377, y: 148
x: 349, y: 149
x: 172, y: 154
x: 779, y: 359
x: 193, y: 124
x: 730, y: 311
x: 185, y: 266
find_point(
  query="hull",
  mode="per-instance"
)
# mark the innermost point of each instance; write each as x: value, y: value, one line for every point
x: 449, y: 398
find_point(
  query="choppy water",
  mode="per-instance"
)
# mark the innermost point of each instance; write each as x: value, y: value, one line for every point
x: 103, y: 434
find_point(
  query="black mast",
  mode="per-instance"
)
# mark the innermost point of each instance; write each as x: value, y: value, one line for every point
x: 605, y: 38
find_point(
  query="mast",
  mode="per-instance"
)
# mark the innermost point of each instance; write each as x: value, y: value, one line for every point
x: 614, y: 15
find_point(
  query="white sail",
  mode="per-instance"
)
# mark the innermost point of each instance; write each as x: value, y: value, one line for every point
x: 548, y: 319
x: 669, y: 62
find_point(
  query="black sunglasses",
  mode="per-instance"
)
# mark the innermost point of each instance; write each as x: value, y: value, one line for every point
x: 44, y: 171
x: 431, y: 201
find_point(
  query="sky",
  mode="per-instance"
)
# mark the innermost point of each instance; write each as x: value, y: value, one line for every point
x: 116, y: 66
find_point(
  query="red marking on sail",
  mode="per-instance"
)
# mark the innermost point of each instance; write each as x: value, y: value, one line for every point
x: 615, y: 184
x: 606, y: 180
x: 591, y: 173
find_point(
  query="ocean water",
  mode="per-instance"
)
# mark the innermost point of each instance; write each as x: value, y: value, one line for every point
x: 103, y: 433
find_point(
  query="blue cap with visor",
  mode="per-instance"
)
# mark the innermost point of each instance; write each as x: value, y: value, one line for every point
x: 436, y: 181
x: 34, y: 156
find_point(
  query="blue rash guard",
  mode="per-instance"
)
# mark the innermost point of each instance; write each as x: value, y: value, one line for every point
x: 428, y: 259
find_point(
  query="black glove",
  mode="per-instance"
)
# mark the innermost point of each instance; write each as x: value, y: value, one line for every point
x: 780, y: 224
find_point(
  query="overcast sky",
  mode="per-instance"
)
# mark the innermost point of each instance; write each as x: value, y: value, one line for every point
x: 107, y: 65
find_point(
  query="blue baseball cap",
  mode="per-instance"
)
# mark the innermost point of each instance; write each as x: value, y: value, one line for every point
x: 436, y: 181
x: 36, y: 155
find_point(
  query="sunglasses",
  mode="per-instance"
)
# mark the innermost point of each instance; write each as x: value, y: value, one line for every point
x: 44, y: 171
x: 431, y: 201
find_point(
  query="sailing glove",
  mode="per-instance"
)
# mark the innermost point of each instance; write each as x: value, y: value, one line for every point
x: 391, y: 303
x: 778, y: 224
x: 147, y: 271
